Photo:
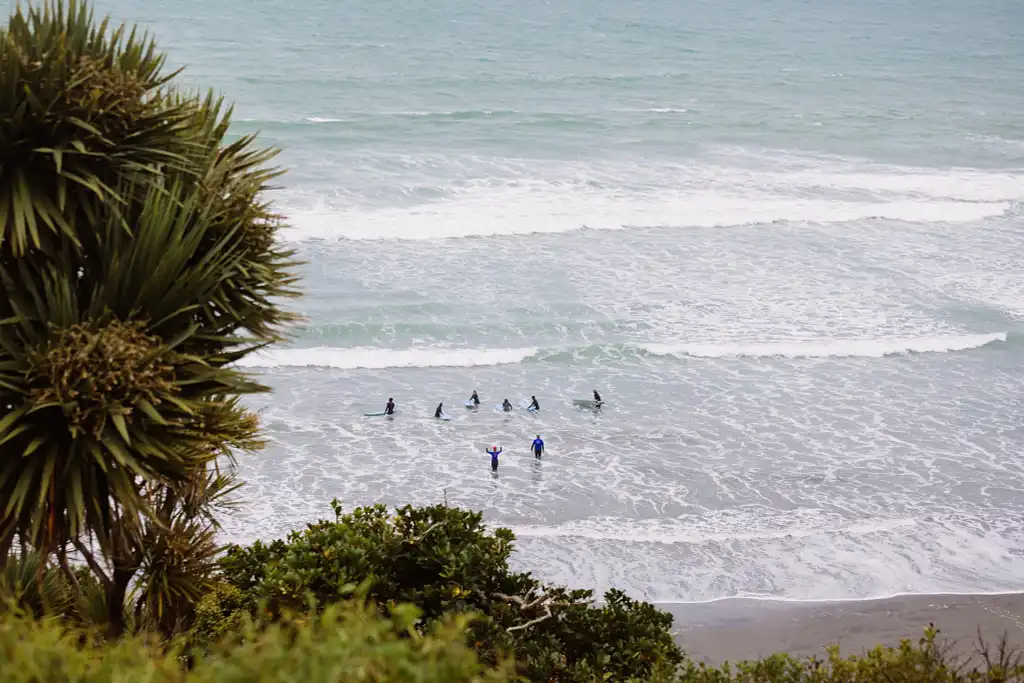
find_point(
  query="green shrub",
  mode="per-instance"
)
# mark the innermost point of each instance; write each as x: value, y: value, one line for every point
x: 345, y: 644
x: 444, y: 561
x: 923, y: 662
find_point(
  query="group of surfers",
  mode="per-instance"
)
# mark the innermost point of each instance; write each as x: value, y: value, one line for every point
x: 506, y: 406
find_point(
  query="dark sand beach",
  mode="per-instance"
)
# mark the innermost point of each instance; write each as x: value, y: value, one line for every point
x: 737, y: 629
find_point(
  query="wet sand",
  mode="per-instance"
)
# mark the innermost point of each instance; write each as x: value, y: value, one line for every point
x: 738, y: 629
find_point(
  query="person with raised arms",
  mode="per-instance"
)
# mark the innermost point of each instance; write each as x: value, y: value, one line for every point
x: 494, y: 452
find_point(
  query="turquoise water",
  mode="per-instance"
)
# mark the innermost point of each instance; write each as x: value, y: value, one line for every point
x: 783, y: 240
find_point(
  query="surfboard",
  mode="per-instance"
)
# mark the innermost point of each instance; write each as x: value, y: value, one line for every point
x: 586, y: 402
x: 444, y: 417
x: 470, y: 404
x: 379, y: 413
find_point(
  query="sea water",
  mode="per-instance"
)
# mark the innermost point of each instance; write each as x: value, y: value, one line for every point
x: 784, y: 240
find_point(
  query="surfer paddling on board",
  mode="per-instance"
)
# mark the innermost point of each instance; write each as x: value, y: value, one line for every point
x: 440, y: 410
x: 533, y: 404
x: 494, y: 452
x: 474, y: 398
x: 597, y: 399
x: 389, y: 409
x: 538, y: 447
x: 506, y: 406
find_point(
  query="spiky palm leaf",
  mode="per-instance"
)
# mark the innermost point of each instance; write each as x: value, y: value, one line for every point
x: 102, y: 396
x: 137, y: 262
x: 179, y: 552
x: 81, y: 109
x: 31, y: 585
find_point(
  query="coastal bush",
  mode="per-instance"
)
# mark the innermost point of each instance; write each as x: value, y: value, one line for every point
x: 346, y: 643
x: 444, y: 561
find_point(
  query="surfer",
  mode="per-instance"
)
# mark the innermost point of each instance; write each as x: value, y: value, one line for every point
x: 494, y: 452
x: 440, y: 410
x: 474, y: 398
x: 389, y: 409
x: 533, y: 404
x: 597, y: 399
x: 538, y: 446
x: 506, y: 406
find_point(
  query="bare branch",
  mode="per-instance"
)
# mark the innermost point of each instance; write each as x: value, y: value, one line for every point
x: 547, y: 615
x: 93, y: 564
x: 417, y: 539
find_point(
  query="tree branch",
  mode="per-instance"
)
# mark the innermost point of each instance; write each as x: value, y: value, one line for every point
x: 62, y: 558
x: 544, y: 600
x: 90, y: 559
x: 417, y: 539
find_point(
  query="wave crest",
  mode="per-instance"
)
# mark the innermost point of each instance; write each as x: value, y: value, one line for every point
x: 376, y: 358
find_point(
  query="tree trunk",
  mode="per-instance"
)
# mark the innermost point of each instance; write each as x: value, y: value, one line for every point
x: 115, y: 600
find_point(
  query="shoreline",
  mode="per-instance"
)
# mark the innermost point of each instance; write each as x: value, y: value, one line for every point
x: 734, y: 629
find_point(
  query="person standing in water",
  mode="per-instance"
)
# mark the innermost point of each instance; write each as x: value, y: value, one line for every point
x: 389, y: 409
x: 506, y: 406
x: 533, y: 404
x: 494, y: 453
x: 597, y: 399
x: 474, y: 398
x: 440, y: 410
x: 538, y: 447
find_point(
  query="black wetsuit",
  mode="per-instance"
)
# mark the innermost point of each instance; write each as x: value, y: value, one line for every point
x: 475, y: 399
x: 389, y: 409
x: 438, y: 412
x: 597, y: 399
x: 535, y: 405
x: 506, y: 406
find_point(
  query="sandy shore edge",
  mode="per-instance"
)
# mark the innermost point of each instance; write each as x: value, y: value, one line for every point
x: 737, y: 629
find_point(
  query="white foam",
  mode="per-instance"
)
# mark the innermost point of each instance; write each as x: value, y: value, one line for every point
x: 696, y: 530
x: 371, y: 358
x: 522, y: 211
x: 869, y: 348
x: 320, y: 119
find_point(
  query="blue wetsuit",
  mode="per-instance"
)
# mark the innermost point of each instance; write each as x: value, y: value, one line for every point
x: 538, y: 447
x: 494, y: 459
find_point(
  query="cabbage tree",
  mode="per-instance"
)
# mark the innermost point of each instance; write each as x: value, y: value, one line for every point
x: 138, y: 261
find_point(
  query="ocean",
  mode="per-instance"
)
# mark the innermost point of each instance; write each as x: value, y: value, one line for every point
x: 784, y: 240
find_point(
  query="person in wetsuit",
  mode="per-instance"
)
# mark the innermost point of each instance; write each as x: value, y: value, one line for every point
x: 533, y: 404
x: 474, y: 398
x: 440, y: 410
x: 506, y: 406
x: 538, y: 447
x: 389, y: 409
x: 597, y: 399
x: 494, y: 453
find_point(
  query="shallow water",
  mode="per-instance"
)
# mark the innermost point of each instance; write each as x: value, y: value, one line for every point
x: 783, y: 242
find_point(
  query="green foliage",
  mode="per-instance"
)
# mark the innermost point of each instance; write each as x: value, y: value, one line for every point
x: 924, y: 662
x: 344, y: 644
x: 445, y: 561
x: 220, y: 612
